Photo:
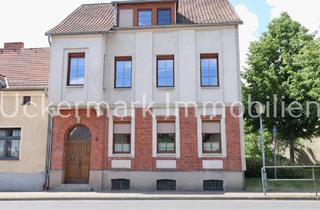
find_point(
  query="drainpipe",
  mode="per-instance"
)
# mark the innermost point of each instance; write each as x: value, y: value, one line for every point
x: 49, y: 152
x: 49, y: 39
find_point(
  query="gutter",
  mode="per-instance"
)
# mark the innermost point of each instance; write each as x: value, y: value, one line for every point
x: 49, y: 152
x: 144, y: 28
x: 23, y: 89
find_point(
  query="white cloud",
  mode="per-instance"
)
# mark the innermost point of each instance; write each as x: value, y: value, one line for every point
x: 247, y: 31
x: 304, y: 11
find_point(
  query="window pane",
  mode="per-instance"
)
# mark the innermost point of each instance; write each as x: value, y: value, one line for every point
x: 209, y: 72
x: 122, y: 143
x: 164, y: 17
x: 166, y: 143
x: 13, y: 149
x: 165, y: 73
x: 123, y: 74
x: 145, y: 18
x: 76, y: 71
x: 211, y: 143
x: 2, y: 154
x: 16, y: 132
x: 80, y: 132
x: 2, y: 133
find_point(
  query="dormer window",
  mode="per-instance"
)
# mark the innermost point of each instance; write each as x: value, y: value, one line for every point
x: 164, y: 17
x: 145, y: 17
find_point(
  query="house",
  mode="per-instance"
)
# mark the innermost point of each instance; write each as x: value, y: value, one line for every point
x: 130, y: 82
x: 23, y: 127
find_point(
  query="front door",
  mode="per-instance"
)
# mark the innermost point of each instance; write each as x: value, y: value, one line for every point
x: 77, y: 162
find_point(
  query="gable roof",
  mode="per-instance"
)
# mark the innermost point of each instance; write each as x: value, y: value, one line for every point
x: 100, y: 18
x: 25, y: 68
x: 206, y: 12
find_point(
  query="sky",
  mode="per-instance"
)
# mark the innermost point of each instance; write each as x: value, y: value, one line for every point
x: 28, y: 20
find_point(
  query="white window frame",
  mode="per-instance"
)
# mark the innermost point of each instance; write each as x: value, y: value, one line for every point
x: 110, y: 135
x: 223, y: 153
x: 162, y: 112
x: 66, y: 67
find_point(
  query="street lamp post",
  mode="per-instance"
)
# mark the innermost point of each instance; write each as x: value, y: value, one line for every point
x: 260, y: 109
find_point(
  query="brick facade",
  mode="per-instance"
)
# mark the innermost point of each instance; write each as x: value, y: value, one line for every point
x: 143, y: 160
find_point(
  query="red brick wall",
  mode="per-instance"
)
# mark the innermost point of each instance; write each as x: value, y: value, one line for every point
x: 233, y: 162
x: 188, y: 141
x: 143, y: 160
x: 143, y: 142
x: 62, y: 127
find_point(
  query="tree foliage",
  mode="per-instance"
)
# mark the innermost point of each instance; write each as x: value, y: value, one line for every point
x: 284, y: 62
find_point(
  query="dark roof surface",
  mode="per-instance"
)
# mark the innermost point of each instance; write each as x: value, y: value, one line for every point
x: 25, y: 68
x: 99, y: 18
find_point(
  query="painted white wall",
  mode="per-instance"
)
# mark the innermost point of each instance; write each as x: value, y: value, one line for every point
x: 94, y: 48
x: 186, y: 44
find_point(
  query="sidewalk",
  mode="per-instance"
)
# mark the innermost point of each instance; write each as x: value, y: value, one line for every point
x: 151, y: 196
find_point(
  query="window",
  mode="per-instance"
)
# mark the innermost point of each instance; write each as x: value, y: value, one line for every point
x: 211, y: 137
x: 166, y: 184
x: 80, y: 132
x: 123, y: 72
x: 166, y: 140
x: 26, y: 100
x: 164, y: 17
x: 209, y: 70
x: 120, y: 184
x: 213, y: 185
x: 165, y: 71
x: 144, y: 17
x: 122, y: 138
x: 76, y: 69
x: 10, y: 143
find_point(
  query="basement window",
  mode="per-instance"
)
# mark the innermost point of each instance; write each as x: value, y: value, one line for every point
x: 166, y: 185
x: 213, y: 185
x: 120, y: 184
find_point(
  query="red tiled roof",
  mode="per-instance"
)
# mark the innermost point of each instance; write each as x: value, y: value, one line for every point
x: 25, y: 68
x: 88, y: 18
x: 206, y: 12
x: 99, y: 18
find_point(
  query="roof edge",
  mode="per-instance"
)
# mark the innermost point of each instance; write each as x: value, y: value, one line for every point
x: 236, y: 23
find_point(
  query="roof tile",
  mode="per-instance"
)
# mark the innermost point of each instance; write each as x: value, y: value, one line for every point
x: 97, y: 18
x: 25, y: 68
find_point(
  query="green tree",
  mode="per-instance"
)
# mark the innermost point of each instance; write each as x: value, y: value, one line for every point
x: 282, y: 64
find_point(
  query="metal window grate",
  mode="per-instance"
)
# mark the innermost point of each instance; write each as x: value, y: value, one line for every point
x: 166, y: 185
x: 120, y: 184
x: 213, y: 185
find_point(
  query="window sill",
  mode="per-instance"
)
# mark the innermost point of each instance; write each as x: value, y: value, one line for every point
x: 122, y: 89
x: 74, y: 86
x: 121, y: 156
x: 165, y: 88
x: 210, y: 87
x: 9, y: 159
x: 212, y: 155
x: 166, y: 155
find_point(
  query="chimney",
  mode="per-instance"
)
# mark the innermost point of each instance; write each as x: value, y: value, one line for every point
x: 13, y: 45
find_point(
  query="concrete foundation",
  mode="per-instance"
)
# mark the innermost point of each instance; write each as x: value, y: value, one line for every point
x: 147, y: 180
x: 22, y: 182
x: 185, y: 181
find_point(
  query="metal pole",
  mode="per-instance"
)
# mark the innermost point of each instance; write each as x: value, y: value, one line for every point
x: 264, y: 173
x: 314, y: 182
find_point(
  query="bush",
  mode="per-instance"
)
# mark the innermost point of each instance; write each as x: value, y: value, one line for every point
x: 254, y: 166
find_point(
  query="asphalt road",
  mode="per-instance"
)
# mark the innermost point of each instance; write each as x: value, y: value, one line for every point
x: 159, y: 205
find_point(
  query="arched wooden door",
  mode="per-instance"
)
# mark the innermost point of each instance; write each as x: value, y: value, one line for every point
x: 78, y: 156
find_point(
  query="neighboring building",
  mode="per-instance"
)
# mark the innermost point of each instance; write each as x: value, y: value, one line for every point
x: 23, y: 139
x: 137, y: 51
